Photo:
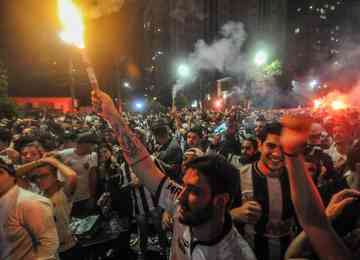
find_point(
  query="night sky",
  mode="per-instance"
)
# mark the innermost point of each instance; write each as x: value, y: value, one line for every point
x: 38, y: 61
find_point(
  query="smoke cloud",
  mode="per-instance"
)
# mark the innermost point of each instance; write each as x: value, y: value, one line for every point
x: 223, y: 55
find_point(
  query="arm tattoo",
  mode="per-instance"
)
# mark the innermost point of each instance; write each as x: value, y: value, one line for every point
x: 133, y: 149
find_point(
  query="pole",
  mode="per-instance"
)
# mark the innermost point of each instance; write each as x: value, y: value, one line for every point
x: 71, y: 85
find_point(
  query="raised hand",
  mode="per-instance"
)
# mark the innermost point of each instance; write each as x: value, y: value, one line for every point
x: 295, y: 133
x: 105, y: 102
x: 339, y: 201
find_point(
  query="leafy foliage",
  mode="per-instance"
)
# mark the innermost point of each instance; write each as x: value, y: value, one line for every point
x: 7, y: 107
x: 273, y: 69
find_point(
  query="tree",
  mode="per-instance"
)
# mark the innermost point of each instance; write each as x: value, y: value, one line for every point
x: 273, y: 69
x: 7, y: 107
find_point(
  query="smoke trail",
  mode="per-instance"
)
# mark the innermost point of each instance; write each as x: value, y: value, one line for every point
x: 223, y: 55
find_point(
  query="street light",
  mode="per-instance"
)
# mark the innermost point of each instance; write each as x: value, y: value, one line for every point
x: 261, y: 58
x: 183, y: 71
x: 127, y: 84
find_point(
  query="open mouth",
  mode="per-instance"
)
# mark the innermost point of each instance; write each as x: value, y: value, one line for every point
x: 276, y: 160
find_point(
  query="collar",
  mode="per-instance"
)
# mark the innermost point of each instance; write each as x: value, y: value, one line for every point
x: 270, y: 174
x: 228, y: 224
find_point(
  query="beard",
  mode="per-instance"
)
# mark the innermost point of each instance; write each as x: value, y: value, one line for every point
x: 195, y: 217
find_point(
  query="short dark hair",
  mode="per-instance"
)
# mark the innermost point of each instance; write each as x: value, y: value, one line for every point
x: 274, y: 128
x: 87, y: 138
x: 196, y: 130
x: 222, y: 176
x: 253, y: 141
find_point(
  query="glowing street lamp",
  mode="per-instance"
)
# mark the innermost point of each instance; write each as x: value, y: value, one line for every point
x: 183, y: 71
x: 261, y: 58
x: 127, y: 84
x: 313, y: 83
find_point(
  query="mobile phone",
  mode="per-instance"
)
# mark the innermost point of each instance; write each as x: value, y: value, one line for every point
x: 221, y: 128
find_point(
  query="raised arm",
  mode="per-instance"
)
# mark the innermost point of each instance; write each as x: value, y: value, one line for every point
x: 305, y: 196
x: 135, y: 153
x: 68, y: 173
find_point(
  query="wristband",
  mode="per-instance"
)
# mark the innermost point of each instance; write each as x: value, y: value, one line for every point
x: 140, y: 160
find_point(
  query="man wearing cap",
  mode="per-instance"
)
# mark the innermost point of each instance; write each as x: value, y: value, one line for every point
x: 27, y: 228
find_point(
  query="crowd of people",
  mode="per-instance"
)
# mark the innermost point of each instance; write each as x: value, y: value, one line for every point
x: 236, y: 184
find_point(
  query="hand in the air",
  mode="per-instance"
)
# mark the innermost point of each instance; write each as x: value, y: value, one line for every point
x: 105, y: 102
x: 295, y: 133
x: 339, y: 201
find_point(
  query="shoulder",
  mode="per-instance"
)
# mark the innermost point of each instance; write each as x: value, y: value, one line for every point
x: 30, y: 201
x: 234, y: 246
x: 246, y: 169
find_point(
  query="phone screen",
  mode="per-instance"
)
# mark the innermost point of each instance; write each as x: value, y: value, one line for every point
x: 220, y: 129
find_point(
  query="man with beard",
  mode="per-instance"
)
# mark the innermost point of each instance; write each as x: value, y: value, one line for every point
x: 264, y: 212
x: 343, y: 139
x: 249, y: 153
x: 202, y: 228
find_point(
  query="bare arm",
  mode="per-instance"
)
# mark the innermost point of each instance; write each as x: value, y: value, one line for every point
x: 298, y: 248
x: 135, y: 153
x: 68, y: 173
x: 306, y: 198
x: 27, y: 167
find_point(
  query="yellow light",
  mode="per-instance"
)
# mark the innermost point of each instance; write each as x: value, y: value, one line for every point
x: 72, y: 23
x: 338, y: 105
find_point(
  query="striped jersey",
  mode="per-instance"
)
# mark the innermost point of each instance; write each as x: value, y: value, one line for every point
x: 230, y: 245
x: 141, y: 198
x: 273, y: 233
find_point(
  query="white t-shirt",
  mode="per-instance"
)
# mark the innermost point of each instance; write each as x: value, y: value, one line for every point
x: 82, y: 166
x: 229, y: 246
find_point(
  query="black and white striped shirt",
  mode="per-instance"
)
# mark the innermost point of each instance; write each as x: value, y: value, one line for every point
x: 273, y: 233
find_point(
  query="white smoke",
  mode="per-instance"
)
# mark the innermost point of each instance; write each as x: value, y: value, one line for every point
x: 223, y: 55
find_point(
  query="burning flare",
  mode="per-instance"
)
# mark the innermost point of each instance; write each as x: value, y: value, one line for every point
x: 72, y: 23
x: 338, y: 105
x: 318, y: 103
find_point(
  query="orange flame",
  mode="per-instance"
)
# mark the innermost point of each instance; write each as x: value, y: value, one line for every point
x: 338, y: 105
x: 72, y: 23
